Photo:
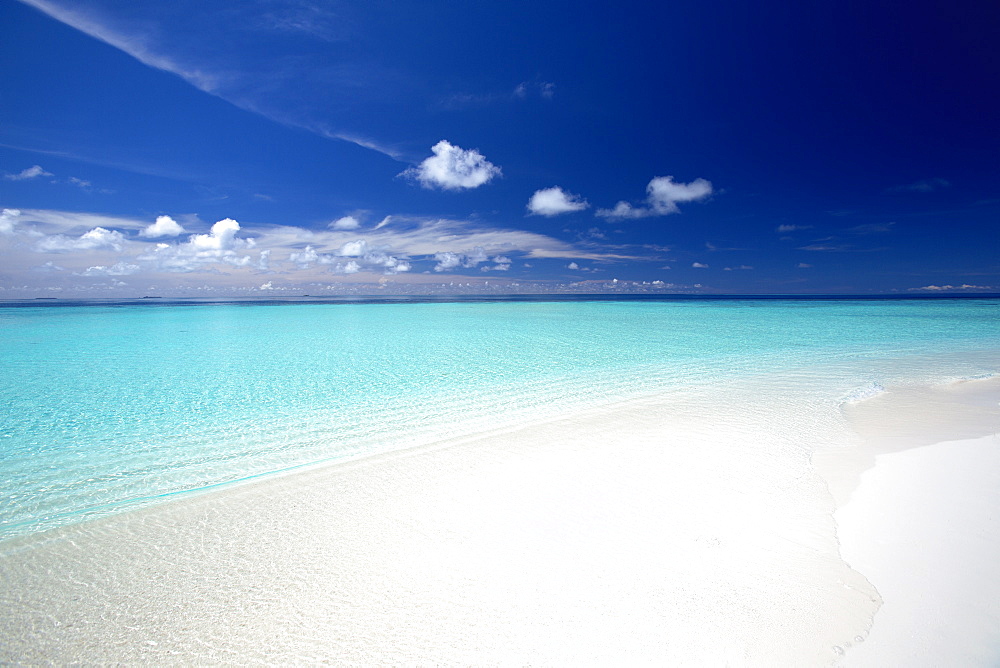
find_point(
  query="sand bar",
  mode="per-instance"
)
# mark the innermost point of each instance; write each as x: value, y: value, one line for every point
x: 923, y: 524
x: 682, y: 530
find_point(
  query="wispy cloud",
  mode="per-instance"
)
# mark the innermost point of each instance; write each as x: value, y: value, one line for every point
x: 27, y: 174
x: 453, y: 168
x: 954, y: 288
x: 662, y: 196
x: 922, y: 186
x: 784, y: 229
x: 248, y: 83
x: 132, y: 43
x: 871, y: 228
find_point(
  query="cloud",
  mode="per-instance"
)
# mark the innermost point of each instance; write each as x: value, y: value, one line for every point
x: 573, y: 265
x: 699, y: 265
x: 8, y: 221
x: 739, y: 268
x: 134, y: 45
x: 117, y: 269
x: 98, y: 238
x: 345, y: 223
x: 554, y: 201
x: 27, y: 174
x: 202, y: 250
x: 871, y: 228
x: 803, y: 265
x: 80, y: 182
x: 453, y: 168
x: 662, y: 196
x: 792, y: 228
x: 922, y: 186
x: 222, y: 237
x: 964, y: 286
x: 165, y: 226
x: 469, y: 260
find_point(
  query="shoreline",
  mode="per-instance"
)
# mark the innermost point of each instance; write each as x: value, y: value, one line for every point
x: 654, y: 530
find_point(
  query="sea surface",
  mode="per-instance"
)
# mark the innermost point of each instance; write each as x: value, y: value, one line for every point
x: 107, y: 406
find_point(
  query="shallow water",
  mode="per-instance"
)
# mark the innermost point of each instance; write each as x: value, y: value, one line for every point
x: 103, y: 407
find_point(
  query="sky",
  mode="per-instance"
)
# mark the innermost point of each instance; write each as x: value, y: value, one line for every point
x: 286, y: 147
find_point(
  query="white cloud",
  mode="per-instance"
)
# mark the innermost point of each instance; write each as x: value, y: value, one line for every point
x: 98, y: 238
x: 740, y: 267
x: 447, y: 260
x: 469, y: 260
x: 165, y: 226
x: 222, y: 237
x: 345, y: 223
x: 27, y: 174
x: 964, y: 286
x: 554, y: 201
x: 80, y: 182
x: 117, y: 269
x: 355, y: 248
x: 791, y: 228
x: 266, y: 286
x: 573, y: 265
x: 453, y: 168
x: 699, y: 265
x: 201, y: 250
x: 352, y: 267
x: 304, y: 258
x: 8, y: 221
x: 662, y: 196
x: 803, y: 265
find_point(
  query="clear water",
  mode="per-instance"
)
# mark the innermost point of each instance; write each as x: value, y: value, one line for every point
x: 103, y: 407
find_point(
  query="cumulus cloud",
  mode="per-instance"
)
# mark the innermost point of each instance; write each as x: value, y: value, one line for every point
x: 354, y: 248
x: 98, y: 238
x: 554, y: 201
x: 345, y: 223
x: 573, y: 265
x: 468, y: 260
x: 165, y: 226
x: 220, y: 245
x: 662, y: 196
x: 222, y: 237
x: 8, y: 221
x: 453, y: 168
x: 117, y: 269
x: 699, y: 265
x: 27, y: 174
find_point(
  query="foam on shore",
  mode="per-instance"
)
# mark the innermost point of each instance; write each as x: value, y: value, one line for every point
x: 687, y: 531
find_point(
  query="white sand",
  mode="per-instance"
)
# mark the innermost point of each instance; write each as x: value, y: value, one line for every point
x: 685, y: 531
x: 924, y: 527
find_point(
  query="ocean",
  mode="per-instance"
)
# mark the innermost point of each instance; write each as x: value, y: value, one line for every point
x: 109, y: 406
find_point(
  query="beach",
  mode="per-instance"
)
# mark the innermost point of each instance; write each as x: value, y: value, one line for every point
x: 751, y: 520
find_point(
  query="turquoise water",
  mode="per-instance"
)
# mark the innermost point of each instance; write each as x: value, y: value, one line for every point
x: 103, y: 407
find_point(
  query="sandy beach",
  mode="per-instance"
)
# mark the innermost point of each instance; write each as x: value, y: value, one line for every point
x: 653, y: 532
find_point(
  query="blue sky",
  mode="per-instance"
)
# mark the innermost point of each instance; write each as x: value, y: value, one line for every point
x: 297, y: 146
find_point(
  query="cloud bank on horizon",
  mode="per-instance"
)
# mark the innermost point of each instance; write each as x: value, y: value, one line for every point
x: 292, y: 117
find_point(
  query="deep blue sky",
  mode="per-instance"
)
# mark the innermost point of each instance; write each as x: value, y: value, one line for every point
x: 810, y: 147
